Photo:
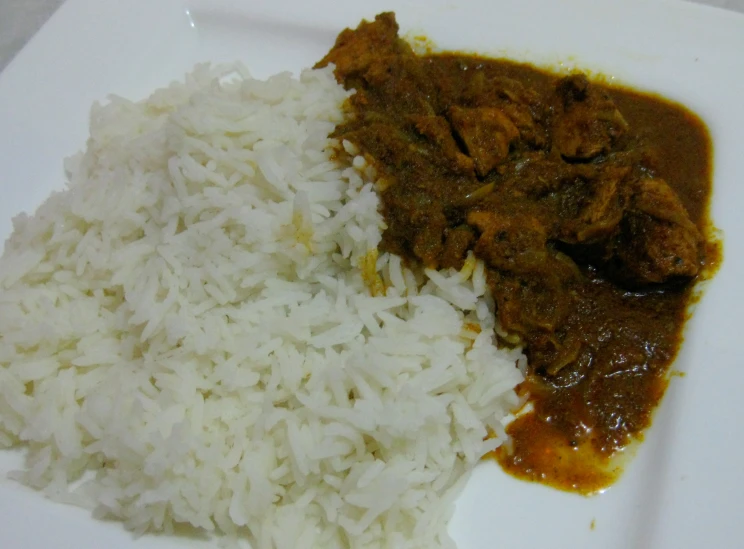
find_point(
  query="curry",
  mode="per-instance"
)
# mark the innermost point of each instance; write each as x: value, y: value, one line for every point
x: 588, y: 204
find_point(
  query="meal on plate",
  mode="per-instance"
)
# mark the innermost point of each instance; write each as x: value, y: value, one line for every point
x: 299, y: 311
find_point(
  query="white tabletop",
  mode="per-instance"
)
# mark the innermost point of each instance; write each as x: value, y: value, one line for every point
x: 20, y: 19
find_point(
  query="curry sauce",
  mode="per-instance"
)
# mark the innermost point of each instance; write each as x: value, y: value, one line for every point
x: 588, y: 204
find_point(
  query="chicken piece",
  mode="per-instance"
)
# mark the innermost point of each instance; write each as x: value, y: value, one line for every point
x: 530, y: 129
x: 599, y: 203
x: 355, y: 51
x: 513, y: 91
x: 457, y: 242
x: 654, y: 196
x: 385, y: 142
x: 528, y: 305
x: 416, y: 225
x: 586, y: 123
x: 487, y: 134
x: 659, y: 240
x: 522, y: 105
x: 437, y: 130
x: 514, y: 243
x: 428, y: 239
x: 373, y: 57
x: 534, y: 175
x: 532, y: 280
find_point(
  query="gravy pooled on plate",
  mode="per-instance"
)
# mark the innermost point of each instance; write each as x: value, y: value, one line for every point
x: 588, y: 204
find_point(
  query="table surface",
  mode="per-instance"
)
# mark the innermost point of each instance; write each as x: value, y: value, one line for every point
x: 21, y: 19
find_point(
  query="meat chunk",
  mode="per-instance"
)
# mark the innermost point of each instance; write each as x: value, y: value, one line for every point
x: 457, y: 242
x: 528, y: 305
x: 659, y: 240
x: 356, y: 51
x: 654, y: 196
x: 387, y: 142
x: 428, y: 240
x: 637, y: 229
x: 510, y: 242
x: 513, y: 91
x: 593, y: 207
x: 531, y: 129
x: 372, y: 56
x: 437, y: 130
x: 586, y: 123
x: 522, y: 105
x: 531, y: 292
x: 486, y: 133
x: 416, y: 225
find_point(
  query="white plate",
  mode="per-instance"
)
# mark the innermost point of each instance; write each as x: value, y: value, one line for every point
x: 683, y: 487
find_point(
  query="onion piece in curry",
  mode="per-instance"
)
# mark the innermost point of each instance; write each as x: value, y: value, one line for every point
x: 588, y: 204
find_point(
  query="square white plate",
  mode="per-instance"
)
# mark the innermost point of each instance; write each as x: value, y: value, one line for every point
x: 683, y: 487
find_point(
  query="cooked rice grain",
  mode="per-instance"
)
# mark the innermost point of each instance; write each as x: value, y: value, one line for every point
x: 187, y: 328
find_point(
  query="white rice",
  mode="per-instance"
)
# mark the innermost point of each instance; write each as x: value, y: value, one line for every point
x: 189, y: 328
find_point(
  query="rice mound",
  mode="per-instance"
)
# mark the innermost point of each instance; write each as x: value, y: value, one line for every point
x: 188, y: 334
